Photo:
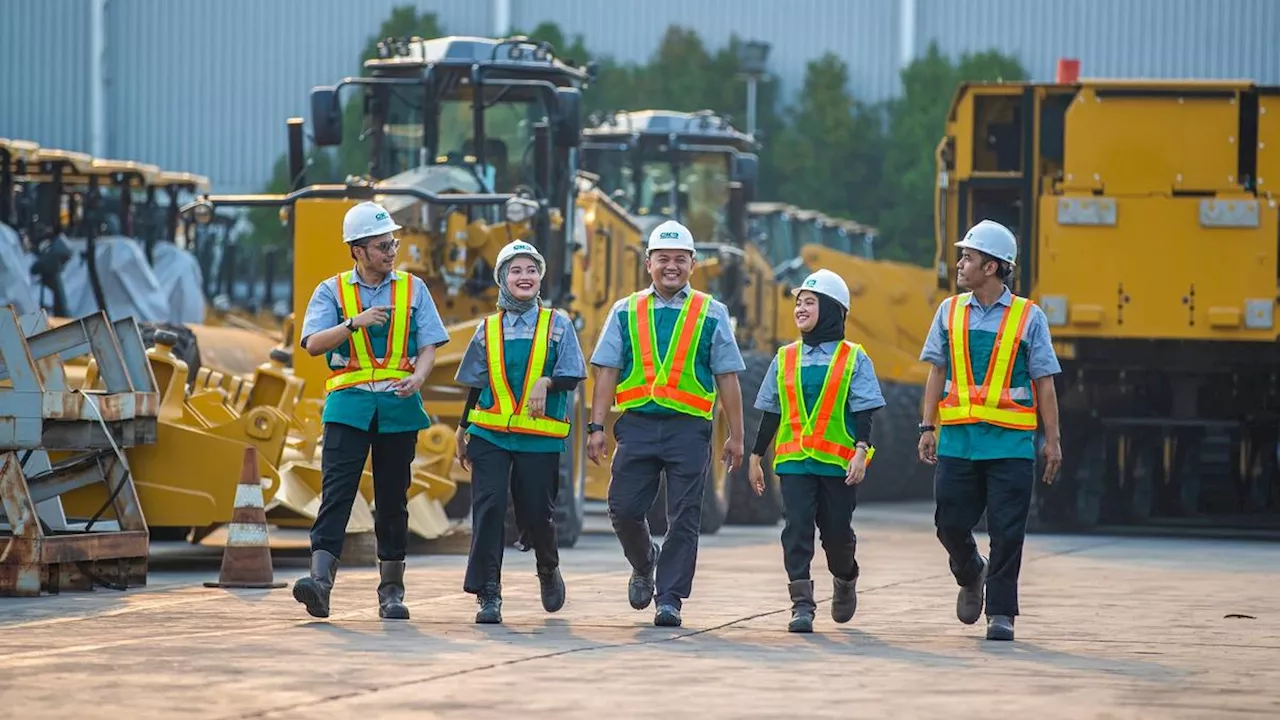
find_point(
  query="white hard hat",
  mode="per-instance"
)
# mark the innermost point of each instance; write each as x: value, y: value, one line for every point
x: 366, y: 220
x: 670, y: 235
x: 519, y: 247
x: 992, y: 238
x: 827, y: 283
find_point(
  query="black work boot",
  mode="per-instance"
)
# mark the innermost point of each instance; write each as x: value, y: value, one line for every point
x: 969, y: 600
x: 552, y: 589
x: 490, y: 599
x: 391, y: 590
x: 802, y: 606
x: 313, y: 591
x: 640, y: 589
x: 844, y: 603
x: 999, y: 627
x: 667, y: 615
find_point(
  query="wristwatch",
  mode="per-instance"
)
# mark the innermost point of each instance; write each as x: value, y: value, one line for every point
x: 351, y: 324
x: 926, y: 428
x: 594, y: 428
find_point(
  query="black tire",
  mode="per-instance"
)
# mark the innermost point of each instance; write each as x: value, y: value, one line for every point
x: 745, y: 507
x: 896, y: 473
x: 187, y: 347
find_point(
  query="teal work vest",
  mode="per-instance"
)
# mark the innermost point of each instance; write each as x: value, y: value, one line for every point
x: 515, y: 356
x: 356, y: 407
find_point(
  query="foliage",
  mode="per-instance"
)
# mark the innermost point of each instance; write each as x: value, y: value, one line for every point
x: 829, y: 151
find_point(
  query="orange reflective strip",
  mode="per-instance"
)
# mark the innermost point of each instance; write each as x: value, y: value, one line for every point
x: 681, y: 396
x: 1004, y: 363
x: 823, y: 415
x: 795, y: 399
x: 648, y: 343
x: 686, y: 336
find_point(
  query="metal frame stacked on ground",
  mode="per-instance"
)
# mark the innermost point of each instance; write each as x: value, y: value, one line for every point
x: 85, y: 430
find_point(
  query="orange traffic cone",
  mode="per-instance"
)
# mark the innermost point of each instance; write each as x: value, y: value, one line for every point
x: 246, y: 559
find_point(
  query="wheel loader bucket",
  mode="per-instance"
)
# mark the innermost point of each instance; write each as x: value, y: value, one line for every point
x: 297, y: 501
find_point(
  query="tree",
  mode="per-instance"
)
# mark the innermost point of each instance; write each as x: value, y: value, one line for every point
x: 917, y: 122
x: 830, y: 153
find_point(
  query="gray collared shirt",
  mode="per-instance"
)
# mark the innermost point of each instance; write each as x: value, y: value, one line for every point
x: 1042, y: 361
x: 725, y: 355
x: 325, y: 311
x: 864, y: 386
x: 473, y: 371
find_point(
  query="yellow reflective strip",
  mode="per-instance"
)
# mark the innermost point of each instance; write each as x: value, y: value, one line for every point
x: 1025, y: 419
x: 497, y: 365
x: 538, y: 353
x: 960, y: 349
x: 351, y: 307
x: 399, y: 320
x: 1005, y: 347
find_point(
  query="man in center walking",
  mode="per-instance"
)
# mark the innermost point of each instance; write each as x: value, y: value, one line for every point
x: 663, y: 354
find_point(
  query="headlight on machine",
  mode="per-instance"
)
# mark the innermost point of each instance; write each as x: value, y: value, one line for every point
x: 519, y: 209
x: 1055, y: 309
x: 1259, y: 314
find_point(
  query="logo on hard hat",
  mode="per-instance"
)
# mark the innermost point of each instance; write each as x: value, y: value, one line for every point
x: 521, y: 247
x: 811, y: 282
x: 670, y: 235
x: 380, y: 216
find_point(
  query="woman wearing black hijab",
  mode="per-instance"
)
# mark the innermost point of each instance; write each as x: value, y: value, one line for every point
x: 817, y: 399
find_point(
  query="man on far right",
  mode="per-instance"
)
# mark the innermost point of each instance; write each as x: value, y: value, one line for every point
x: 992, y: 368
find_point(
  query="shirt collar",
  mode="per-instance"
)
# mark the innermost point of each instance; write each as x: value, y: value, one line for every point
x: 1006, y: 298
x: 680, y: 295
x: 828, y: 347
x: 528, y: 317
x: 354, y: 279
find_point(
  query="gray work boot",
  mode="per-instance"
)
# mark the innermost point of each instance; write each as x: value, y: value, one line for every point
x: 552, y: 585
x: 667, y: 616
x: 999, y: 627
x: 313, y: 591
x: 802, y: 606
x: 844, y: 603
x: 490, y: 599
x: 969, y: 600
x: 640, y: 589
x: 391, y: 590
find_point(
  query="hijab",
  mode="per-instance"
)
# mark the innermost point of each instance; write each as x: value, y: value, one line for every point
x: 830, y: 325
x: 509, y: 302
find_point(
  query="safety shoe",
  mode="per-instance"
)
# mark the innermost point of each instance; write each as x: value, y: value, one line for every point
x: 667, y: 616
x: 640, y: 589
x: 313, y: 591
x: 391, y: 590
x: 802, y: 606
x: 490, y: 600
x: 999, y: 627
x: 844, y: 601
x: 552, y: 585
x: 969, y: 600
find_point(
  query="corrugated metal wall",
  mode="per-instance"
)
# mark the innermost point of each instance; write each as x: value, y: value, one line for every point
x: 206, y: 87
x: 44, y: 72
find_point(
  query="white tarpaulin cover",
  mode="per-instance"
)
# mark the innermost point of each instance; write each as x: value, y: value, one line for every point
x: 15, y: 273
x: 181, y: 281
x: 128, y: 284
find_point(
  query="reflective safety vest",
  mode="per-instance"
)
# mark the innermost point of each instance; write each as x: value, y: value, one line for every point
x: 504, y: 414
x: 673, y: 385
x: 361, y: 366
x: 822, y: 435
x: 969, y: 402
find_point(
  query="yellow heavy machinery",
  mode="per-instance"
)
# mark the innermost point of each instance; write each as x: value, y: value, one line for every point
x: 1147, y: 224
x: 699, y: 169
x: 473, y: 143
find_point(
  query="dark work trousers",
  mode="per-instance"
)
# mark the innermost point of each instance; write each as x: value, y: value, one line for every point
x: 963, y: 489
x: 534, y: 482
x: 342, y: 463
x: 646, y: 446
x: 828, y: 503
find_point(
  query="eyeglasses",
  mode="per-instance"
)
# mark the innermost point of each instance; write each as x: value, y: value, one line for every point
x: 385, y: 247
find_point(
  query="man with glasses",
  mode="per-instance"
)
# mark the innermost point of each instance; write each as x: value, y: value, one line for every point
x: 378, y: 329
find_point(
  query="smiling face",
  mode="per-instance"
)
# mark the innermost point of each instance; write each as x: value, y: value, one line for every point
x: 523, y: 280
x: 806, y: 311
x: 376, y: 254
x: 670, y: 269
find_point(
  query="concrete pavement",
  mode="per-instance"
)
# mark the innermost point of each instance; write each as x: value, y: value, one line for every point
x: 1111, y: 628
